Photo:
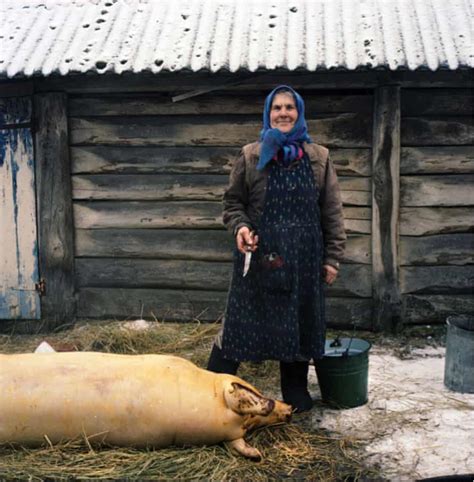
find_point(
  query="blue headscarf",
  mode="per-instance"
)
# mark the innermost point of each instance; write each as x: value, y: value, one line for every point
x: 273, y: 140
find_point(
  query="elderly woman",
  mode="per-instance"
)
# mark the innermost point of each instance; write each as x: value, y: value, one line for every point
x: 283, y: 206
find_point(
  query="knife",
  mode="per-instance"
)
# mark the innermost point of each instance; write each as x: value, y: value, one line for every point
x: 248, y: 257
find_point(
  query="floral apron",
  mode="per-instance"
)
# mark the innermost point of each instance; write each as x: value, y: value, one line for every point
x: 277, y: 311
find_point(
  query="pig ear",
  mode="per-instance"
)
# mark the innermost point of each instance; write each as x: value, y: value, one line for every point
x: 243, y: 400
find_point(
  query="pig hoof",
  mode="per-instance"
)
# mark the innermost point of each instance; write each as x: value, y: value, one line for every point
x: 241, y: 447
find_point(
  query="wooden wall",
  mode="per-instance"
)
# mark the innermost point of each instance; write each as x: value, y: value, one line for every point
x: 436, y: 204
x: 148, y: 177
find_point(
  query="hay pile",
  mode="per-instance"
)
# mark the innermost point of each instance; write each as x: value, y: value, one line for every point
x: 295, y: 450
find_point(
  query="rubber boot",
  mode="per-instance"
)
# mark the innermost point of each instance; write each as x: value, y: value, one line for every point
x: 294, y: 385
x: 218, y: 364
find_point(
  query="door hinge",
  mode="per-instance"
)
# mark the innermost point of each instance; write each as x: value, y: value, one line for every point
x: 41, y: 287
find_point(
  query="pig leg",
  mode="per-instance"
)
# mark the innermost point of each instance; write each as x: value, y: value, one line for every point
x: 241, y: 447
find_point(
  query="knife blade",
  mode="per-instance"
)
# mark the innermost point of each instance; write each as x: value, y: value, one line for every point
x: 248, y: 257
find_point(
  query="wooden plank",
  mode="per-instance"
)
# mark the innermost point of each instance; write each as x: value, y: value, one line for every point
x: 15, y: 110
x: 416, y: 102
x: 157, y: 214
x: 349, y: 313
x: 156, y: 187
x: 18, y: 251
x: 144, y: 214
x: 162, y: 187
x: 437, y: 279
x: 153, y: 273
x: 441, y: 249
x: 354, y: 280
x: 152, y: 160
x: 195, y: 244
x: 356, y: 198
x: 441, y: 190
x: 424, y: 221
x: 435, y: 308
x: 437, y: 160
x: 437, y: 131
x: 183, y: 81
x: 232, y: 102
x: 352, y: 162
x: 357, y: 226
x: 186, y: 305
x: 54, y: 203
x: 16, y: 88
x: 385, y: 207
x: 342, y: 130
x: 184, y: 160
x: 358, y: 250
x: 357, y: 213
x: 166, y: 305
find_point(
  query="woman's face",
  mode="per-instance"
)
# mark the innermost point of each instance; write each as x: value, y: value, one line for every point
x: 283, y: 113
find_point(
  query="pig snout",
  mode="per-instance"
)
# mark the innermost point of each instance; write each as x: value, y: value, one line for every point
x: 282, y: 411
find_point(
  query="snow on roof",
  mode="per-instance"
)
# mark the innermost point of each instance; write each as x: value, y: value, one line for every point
x: 43, y: 37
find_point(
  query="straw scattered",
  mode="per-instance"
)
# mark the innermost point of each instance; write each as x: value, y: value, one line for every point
x: 298, y: 450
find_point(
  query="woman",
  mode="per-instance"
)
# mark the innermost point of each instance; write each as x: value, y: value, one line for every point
x: 289, y: 217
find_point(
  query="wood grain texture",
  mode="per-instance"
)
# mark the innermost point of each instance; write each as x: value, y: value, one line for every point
x: 416, y: 102
x: 354, y: 280
x: 426, y: 221
x: 167, y: 215
x: 15, y: 110
x: 211, y: 103
x: 143, y: 214
x: 163, y: 187
x: 188, y: 160
x: 342, y: 130
x: 152, y: 187
x: 440, y: 190
x: 435, y: 308
x: 444, y: 249
x: 188, y: 305
x: 192, y: 244
x: 242, y: 82
x: 54, y: 204
x: 385, y: 207
x: 437, y: 160
x: 437, y: 131
x: 437, y: 279
x: 19, y: 272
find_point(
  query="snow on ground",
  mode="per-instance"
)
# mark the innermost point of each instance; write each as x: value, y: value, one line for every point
x: 413, y: 425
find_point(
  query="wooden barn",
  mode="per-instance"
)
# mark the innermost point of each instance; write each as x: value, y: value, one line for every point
x: 120, y: 121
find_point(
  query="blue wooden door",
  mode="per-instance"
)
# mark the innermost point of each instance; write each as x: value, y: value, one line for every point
x: 19, y: 298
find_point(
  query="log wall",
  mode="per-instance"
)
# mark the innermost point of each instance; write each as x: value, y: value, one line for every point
x: 436, y: 204
x: 148, y: 177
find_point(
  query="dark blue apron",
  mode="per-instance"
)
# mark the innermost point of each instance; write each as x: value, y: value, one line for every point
x: 277, y: 311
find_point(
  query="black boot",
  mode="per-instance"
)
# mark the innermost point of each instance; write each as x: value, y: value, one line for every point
x: 294, y: 385
x: 218, y: 364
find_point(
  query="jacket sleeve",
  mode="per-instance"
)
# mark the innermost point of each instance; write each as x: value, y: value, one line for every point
x: 332, y: 218
x: 236, y: 198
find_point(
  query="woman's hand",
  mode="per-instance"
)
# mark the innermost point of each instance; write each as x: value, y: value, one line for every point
x: 329, y: 273
x: 246, y: 240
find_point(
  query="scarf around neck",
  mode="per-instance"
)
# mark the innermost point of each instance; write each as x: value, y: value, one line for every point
x: 287, y: 147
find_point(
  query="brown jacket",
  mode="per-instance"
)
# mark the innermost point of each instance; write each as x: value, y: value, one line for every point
x: 244, y: 197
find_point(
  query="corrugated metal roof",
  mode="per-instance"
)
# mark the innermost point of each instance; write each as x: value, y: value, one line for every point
x: 60, y: 36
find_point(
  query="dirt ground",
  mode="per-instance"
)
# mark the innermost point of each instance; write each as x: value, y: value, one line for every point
x: 412, y: 427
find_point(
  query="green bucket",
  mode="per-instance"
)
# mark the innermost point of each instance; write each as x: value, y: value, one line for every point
x: 343, y: 372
